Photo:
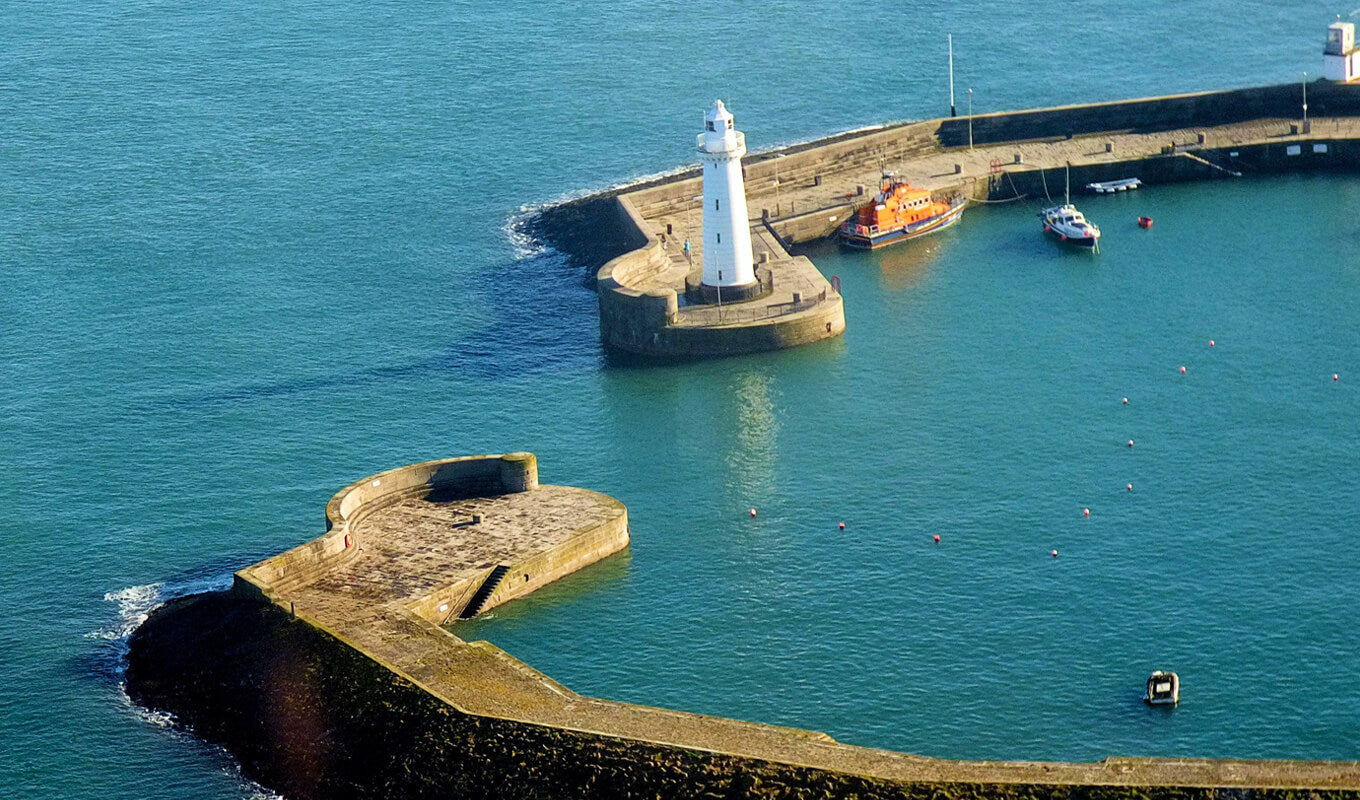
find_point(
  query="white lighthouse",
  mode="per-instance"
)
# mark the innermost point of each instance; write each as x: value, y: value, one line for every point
x: 728, y: 259
x: 1340, y: 59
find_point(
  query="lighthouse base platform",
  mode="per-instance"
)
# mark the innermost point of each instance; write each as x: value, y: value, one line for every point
x: 699, y: 293
x: 642, y: 315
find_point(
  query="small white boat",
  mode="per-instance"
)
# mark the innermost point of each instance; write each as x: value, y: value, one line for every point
x: 1163, y: 689
x: 1069, y: 225
x: 1121, y: 185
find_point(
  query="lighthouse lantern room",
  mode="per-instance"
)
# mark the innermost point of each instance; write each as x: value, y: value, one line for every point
x: 1340, y: 59
x: 727, y: 254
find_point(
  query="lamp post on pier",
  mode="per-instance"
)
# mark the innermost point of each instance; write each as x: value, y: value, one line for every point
x: 1305, y: 128
x: 970, y: 118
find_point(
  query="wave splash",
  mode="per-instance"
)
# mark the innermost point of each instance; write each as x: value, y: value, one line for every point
x: 134, y: 605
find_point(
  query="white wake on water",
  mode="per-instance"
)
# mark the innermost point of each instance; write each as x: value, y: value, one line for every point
x: 134, y: 605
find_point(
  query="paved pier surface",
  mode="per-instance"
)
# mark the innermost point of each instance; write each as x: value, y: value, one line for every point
x: 970, y: 171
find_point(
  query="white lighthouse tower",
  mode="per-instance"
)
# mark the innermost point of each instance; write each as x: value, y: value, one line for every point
x: 728, y: 259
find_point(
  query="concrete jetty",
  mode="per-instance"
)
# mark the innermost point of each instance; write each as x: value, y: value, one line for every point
x: 326, y: 671
x: 803, y: 192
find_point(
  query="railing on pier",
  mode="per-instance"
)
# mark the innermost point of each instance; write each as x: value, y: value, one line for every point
x: 744, y: 312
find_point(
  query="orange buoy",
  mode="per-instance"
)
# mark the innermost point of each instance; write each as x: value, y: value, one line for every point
x: 937, y: 538
x: 753, y: 512
x: 1145, y: 222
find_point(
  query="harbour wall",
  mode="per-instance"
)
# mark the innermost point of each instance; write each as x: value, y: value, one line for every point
x: 330, y: 681
x: 311, y: 717
x: 1153, y: 114
x: 631, y: 317
x: 1296, y: 154
x: 592, y: 225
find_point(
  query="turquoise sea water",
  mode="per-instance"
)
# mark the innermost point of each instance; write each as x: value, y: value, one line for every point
x: 253, y: 253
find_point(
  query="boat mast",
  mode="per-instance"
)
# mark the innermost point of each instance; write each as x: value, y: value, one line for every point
x: 1067, y: 185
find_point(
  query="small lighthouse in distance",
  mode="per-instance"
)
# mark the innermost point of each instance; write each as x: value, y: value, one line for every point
x: 727, y: 254
x: 1340, y: 59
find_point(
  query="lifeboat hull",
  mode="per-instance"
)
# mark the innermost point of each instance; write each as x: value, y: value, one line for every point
x: 850, y: 237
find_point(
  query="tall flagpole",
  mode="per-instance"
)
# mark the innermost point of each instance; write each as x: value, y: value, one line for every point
x: 952, y: 112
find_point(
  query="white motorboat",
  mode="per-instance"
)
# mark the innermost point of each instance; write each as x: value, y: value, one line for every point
x: 1069, y: 225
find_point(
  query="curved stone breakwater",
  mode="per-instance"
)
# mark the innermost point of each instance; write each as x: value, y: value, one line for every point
x: 325, y: 671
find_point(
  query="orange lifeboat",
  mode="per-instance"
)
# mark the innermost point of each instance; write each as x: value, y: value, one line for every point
x: 898, y: 212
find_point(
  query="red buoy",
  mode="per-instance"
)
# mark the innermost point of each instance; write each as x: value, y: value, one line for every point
x: 1145, y: 222
x: 937, y: 538
x: 1130, y: 443
x: 842, y: 526
x: 753, y: 512
x: 1126, y: 401
x: 1335, y: 377
x: 1211, y: 342
x: 1182, y: 370
x: 1129, y: 486
x: 1055, y: 553
x: 1086, y: 512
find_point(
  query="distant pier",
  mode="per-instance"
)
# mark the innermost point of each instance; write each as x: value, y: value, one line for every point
x: 803, y: 192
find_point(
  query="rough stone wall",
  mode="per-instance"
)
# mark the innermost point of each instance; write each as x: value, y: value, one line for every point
x: 467, y: 476
x: 312, y: 718
x: 1250, y: 160
x: 1147, y: 115
x: 630, y: 316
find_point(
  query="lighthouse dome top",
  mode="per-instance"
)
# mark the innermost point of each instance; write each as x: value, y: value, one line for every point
x: 720, y: 138
x: 718, y: 117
